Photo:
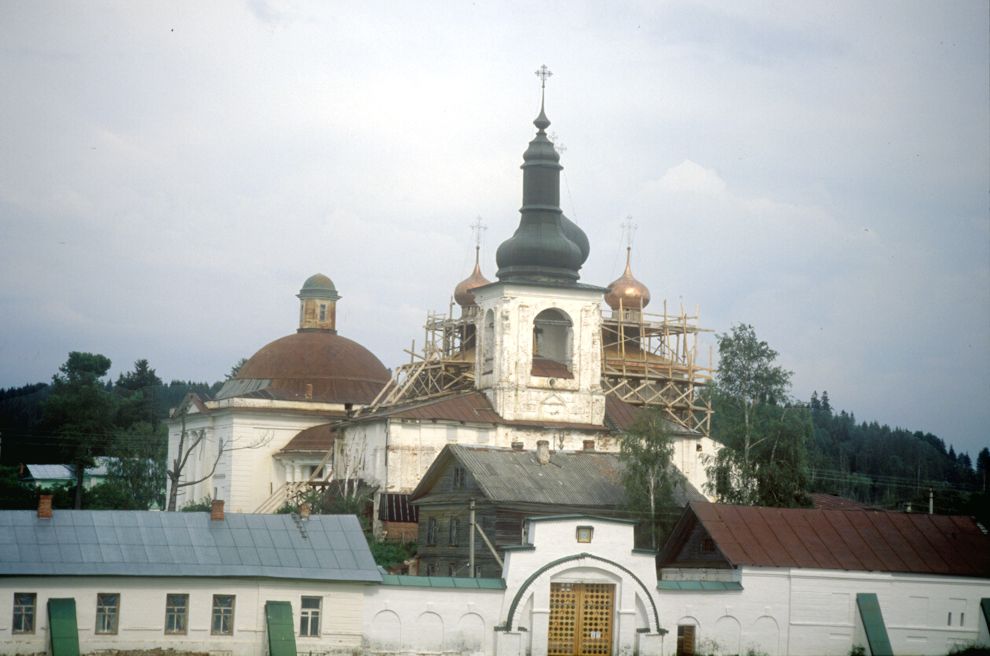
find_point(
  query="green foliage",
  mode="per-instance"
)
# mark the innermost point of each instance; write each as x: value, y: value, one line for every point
x: 203, y: 505
x: 764, y: 436
x: 80, y: 411
x: 391, y: 555
x: 645, y: 453
x: 14, y: 494
x: 857, y: 650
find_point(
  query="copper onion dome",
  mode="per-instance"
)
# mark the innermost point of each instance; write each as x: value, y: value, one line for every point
x: 463, y: 293
x: 627, y: 291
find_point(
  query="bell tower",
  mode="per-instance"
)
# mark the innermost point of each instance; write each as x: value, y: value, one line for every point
x: 540, y: 330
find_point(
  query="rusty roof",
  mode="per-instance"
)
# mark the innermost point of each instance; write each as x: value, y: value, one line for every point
x: 314, y: 439
x: 310, y: 366
x: 824, y: 501
x: 547, y: 368
x: 393, y: 507
x: 857, y: 540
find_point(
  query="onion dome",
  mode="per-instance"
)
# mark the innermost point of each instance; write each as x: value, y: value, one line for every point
x: 626, y: 291
x: 546, y: 247
x: 463, y: 293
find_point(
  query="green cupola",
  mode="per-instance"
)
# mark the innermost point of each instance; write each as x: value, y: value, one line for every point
x: 547, y: 247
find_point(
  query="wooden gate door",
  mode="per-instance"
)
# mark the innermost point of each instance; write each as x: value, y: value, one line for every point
x: 581, y: 619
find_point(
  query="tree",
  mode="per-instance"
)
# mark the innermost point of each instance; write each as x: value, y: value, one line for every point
x: 763, y: 460
x: 80, y: 412
x: 983, y: 469
x: 137, y: 391
x: 645, y: 453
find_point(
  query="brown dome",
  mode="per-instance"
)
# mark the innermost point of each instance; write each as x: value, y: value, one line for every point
x: 631, y: 293
x: 463, y: 292
x: 317, y: 366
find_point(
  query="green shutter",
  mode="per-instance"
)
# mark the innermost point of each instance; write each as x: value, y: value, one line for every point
x: 876, y: 631
x: 62, y: 627
x: 281, y: 631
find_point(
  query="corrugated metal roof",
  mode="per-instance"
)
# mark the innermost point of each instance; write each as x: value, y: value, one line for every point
x: 67, y: 472
x: 823, y: 501
x: 865, y: 540
x: 571, y: 478
x: 406, y: 581
x: 146, y: 543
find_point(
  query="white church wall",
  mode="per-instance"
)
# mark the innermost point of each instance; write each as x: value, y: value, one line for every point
x: 430, y: 620
x: 247, y: 472
x: 689, y: 457
x: 513, y: 391
x: 813, y: 612
x: 141, y: 623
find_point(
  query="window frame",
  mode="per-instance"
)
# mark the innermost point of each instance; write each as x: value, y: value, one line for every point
x: 107, y: 614
x: 431, y: 532
x: 219, y: 612
x: 24, y: 612
x: 453, y: 532
x: 460, y: 476
x: 310, y: 617
x: 172, y: 611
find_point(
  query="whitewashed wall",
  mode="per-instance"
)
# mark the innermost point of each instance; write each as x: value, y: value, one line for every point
x: 246, y: 476
x: 813, y: 612
x: 431, y: 620
x: 142, y: 613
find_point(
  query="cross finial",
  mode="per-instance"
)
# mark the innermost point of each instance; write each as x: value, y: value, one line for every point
x: 477, y: 228
x: 629, y: 229
x: 543, y: 73
x: 557, y: 145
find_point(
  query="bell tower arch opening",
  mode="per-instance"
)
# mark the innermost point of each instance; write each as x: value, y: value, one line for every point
x: 553, y: 344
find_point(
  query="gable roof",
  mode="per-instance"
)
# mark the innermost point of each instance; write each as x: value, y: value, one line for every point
x: 147, y: 543
x: 571, y: 478
x: 855, y: 540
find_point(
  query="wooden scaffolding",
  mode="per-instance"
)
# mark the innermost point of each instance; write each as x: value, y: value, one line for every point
x: 652, y: 360
x: 647, y: 360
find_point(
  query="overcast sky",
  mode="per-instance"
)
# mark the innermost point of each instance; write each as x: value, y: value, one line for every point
x: 170, y: 174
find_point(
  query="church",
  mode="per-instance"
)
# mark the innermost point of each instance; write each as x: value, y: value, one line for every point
x: 535, y: 357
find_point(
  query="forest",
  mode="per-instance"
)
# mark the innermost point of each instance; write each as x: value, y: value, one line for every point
x: 82, y: 414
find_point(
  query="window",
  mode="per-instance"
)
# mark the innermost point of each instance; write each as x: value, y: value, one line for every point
x: 107, y: 612
x: 451, y: 569
x: 309, y: 616
x: 459, y: 476
x: 707, y: 545
x: 685, y: 640
x: 431, y: 569
x: 431, y: 531
x: 223, y: 615
x: 552, y: 336
x: 323, y: 312
x: 455, y: 527
x: 585, y: 533
x: 176, y: 613
x: 25, y: 605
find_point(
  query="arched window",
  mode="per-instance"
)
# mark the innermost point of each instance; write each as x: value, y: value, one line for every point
x: 488, y: 343
x: 553, y: 337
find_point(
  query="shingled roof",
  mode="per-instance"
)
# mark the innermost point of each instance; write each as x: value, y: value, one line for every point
x: 144, y: 543
x: 854, y: 540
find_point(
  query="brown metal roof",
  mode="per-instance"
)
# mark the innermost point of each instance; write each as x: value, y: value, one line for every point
x: 865, y: 540
x: 548, y: 368
x: 314, y: 439
x: 310, y: 366
x: 824, y: 501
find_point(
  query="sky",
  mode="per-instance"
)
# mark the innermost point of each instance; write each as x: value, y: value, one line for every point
x: 171, y: 173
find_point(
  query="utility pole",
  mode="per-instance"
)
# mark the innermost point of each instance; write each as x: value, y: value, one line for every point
x: 471, y: 539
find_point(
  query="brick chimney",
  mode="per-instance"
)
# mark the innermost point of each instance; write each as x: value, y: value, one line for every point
x: 216, y: 510
x: 304, y: 510
x: 517, y: 446
x: 589, y: 445
x: 45, y: 506
x: 543, y: 452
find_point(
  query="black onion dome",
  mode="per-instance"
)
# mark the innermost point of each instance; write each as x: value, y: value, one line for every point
x: 541, y: 250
